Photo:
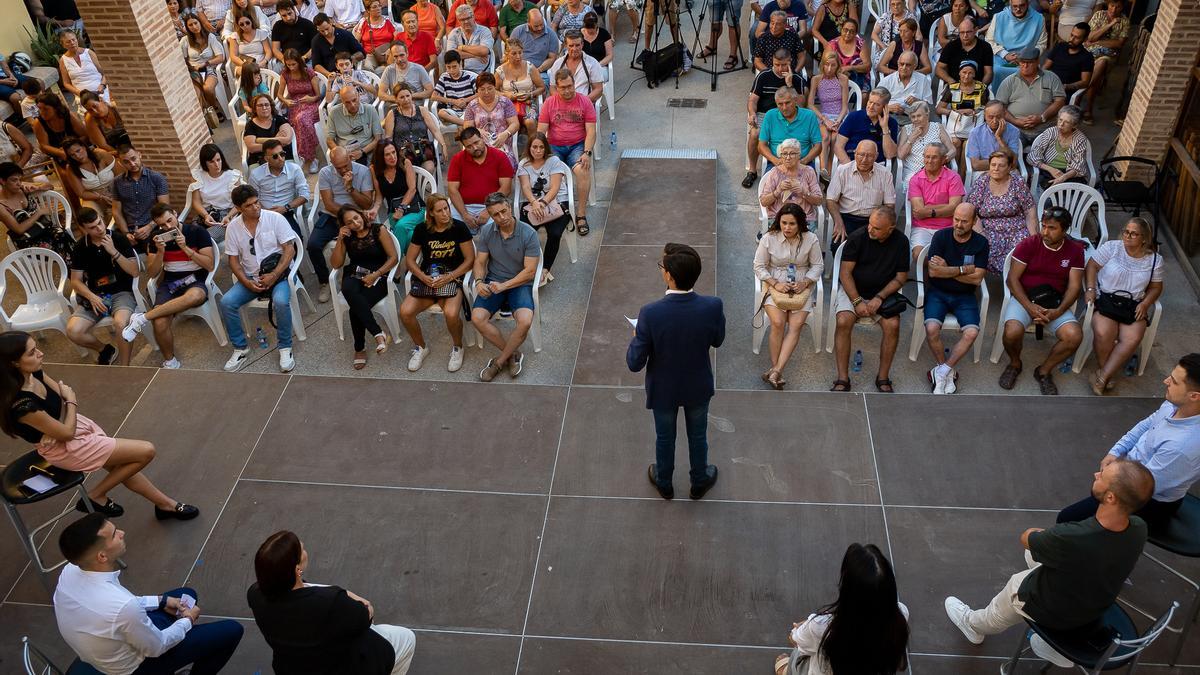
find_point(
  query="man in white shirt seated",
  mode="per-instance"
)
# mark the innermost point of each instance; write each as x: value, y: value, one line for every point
x: 119, y: 633
x: 907, y: 87
x: 587, y: 72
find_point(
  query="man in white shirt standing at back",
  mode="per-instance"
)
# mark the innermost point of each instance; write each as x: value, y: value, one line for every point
x: 118, y: 632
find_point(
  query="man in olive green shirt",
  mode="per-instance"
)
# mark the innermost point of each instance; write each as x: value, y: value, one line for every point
x: 512, y: 14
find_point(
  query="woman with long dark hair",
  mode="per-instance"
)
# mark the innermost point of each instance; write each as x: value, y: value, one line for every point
x: 542, y: 180
x: 315, y: 628
x: 368, y: 255
x: 90, y: 175
x: 44, y: 411
x: 30, y: 221
x: 397, y: 203
x: 299, y: 91
x: 865, y: 632
x: 204, y: 54
x: 788, y: 260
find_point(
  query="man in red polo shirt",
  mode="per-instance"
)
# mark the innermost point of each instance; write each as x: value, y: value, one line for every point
x: 475, y: 172
x: 421, y: 48
x: 485, y: 15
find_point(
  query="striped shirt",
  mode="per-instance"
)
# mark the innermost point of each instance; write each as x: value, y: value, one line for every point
x: 1047, y: 149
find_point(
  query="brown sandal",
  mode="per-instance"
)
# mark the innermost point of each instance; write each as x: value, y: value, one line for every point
x: 775, y: 379
x: 840, y: 385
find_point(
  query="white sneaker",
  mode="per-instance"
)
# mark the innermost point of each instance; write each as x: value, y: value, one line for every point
x: 323, y: 294
x: 939, y: 382
x: 137, y: 321
x: 958, y: 610
x: 950, y: 377
x: 456, y: 359
x: 239, y: 358
x: 286, y: 362
x: 171, y: 364
x: 417, y: 358
x: 1047, y: 653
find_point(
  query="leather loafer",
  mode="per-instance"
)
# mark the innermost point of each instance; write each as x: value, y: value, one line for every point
x: 667, y: 492
x: 180, y: 512
x: 700, y: 490
x: 110, y: 508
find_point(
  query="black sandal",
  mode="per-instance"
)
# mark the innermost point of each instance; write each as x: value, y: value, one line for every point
x: 706, y: 52
x: 731, y: 62
x: 840, y: 385
x: 581, y: 226
x: 884, y: 386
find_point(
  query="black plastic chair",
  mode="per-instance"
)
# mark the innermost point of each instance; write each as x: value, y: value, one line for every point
x: 1182, y: 537
x: 1129, y: 195
x: 1113, y: 642
x: 16, y: 494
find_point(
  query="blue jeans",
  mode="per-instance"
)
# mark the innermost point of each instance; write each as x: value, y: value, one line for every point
x: 695, y: 419
x: 569, y: 154
x: 239, y: 295
x: 324, y: 231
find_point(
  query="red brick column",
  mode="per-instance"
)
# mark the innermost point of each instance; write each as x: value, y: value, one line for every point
x: 1162, y: 82
x: 141, y: 57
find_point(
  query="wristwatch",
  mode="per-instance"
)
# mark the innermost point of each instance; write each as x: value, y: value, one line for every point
x: 588, y: 153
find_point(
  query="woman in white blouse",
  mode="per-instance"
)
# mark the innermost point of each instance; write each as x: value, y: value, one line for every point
x: 1128, y: 266
x: 864, y: 631
x: 211, y: 205
x: 788, y: 260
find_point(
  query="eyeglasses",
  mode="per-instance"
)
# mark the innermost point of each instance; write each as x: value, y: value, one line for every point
x: 275, y: 156
x: 1130, y: 234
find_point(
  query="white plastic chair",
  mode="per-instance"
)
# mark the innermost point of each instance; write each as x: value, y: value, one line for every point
x: 42, y: 273
x: 998, y: 343
x: 610, y: 92
x: 831, y: 322
x: 60, y: 213
x: 535, y: 330
x: 855, y: 100
x: 322, y: 145
x: 385, y: 308
x: 210, y: 311
x: 469, y: 336
x: 1078, y: 199
x: 35, y: 661
x: 1089, y: 161
x: 296, y: 288
x: 951, y: 322
x: 570, y: 236
x: 1147, y: 343
x: 815, y: 317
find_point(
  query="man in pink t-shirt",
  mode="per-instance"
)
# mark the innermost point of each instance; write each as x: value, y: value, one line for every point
x: 933, y: 194
x: 569, y: 121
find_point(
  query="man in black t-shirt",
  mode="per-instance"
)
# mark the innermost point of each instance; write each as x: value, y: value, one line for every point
x: 966, y: 47
x: 183, y: 255
x: 291, y: 31
x: 1071, y: 61
x: 957, y: 264
x: 1075, y: 569
x: 102, y: 272
x: 875, y: 264
x: 762, y: 100
x: 331, y: 41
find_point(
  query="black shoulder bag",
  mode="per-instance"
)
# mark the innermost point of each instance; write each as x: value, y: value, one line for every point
x: 1121, y: 306
x: 1047, y: 297
x: 266, y: 267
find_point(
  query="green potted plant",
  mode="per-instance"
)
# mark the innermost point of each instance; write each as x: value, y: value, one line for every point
x: 44, y: 46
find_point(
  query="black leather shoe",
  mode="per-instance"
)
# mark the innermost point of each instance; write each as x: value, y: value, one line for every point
x: 748, y: 181
x: 700, y: 490
x: 665, y: 493
x: 180, y: 512
x: 109, y: 508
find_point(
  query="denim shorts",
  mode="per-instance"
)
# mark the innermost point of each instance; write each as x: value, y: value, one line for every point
x: 569, y: 154
x: 120, y: 301
x: 964, y: 307
x: 734, y: 8
x: 1016, y: 312
x: 513, y: 299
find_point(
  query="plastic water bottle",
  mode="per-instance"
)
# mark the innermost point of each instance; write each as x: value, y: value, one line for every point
x: 262, y: 338
x: 857, y: 367
x: 1131, y: 368
x: 791, y: 273
x: 612, y: 142
x: 946, y: 354
x: 1066, y: 365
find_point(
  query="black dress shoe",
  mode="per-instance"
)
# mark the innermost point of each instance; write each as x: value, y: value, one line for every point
x: 667, y: 492
x: 700, y: 490
x: 109, y: 508
x: 748, y: 181
x: 107, y: 355
x: 180, y: 512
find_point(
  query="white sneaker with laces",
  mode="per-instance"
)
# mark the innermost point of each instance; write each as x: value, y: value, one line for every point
x: 137, y: 321
x: 323, y: 294
x: 1047, y: 653
x: 286, y: 362
x: 416, y: 358
x: 950, y: 377
x: 456, y: 359
x: 237, y: 360
x: 939, y: 382
x: 958, y: 610
x: 171, y: 364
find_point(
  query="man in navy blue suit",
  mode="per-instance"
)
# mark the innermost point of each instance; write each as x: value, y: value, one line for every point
x: 671, y: 341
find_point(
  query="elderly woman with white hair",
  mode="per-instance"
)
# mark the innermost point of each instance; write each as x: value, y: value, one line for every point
x: 920, y: 132
x: 1060, y: 152
x: 791, y: 182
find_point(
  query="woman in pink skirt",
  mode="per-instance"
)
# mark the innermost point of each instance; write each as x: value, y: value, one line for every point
x: 43, y: 412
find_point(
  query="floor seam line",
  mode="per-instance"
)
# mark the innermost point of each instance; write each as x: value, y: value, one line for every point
x: 237, y: 479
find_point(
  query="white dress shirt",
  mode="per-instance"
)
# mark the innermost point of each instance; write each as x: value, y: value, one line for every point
x: 106, y: 625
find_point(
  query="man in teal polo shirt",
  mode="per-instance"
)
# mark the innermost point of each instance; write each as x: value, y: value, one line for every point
x: 788, y: 120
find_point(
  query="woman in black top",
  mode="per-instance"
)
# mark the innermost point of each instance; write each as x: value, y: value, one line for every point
x: 397, y: 202
x: 264, y: 125
x: 439, y: 257
x: 30, y: 223
x: 42, y: 411
x: 106, y: 129
x: 318, y: 629
x: 597, y: 41
x: 371, y: 255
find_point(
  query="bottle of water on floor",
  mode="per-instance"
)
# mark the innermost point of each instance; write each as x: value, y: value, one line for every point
x: 262, y: 338
x: 857, y: 361
x: 1066, y: 365
x: 612, y: 142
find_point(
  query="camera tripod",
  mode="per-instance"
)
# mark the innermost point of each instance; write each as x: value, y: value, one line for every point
x: 713, y: 72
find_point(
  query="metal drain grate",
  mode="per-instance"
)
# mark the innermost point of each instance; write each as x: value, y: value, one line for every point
x: 687, y: 103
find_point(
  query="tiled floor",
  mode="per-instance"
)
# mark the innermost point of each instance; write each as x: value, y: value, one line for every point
x: 513, y: 528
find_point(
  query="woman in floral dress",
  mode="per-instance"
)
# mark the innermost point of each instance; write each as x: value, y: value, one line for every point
x: 1004, y: 210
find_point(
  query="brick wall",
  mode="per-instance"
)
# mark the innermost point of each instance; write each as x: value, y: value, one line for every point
x: 1162, y: 82
x: 137, y: 46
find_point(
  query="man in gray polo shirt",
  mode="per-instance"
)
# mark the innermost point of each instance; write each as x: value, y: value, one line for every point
x: 506, y: 260
x: 1033, y: 96
x: 541, y: 45
x: 354, y: 126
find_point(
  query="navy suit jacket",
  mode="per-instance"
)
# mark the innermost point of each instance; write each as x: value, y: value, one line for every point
x: 671, y: 342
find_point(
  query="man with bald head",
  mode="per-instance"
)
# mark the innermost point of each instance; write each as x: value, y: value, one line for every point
x: 340, y: 182
x: 966, y: 47
x: 856, y: 188
x: 951, y: 283
x: 541, y: 44
x: 1075, y: 569
x: 907, y: 87
x: 353, y: 127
